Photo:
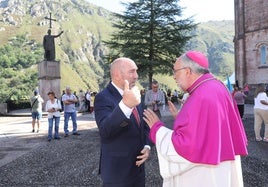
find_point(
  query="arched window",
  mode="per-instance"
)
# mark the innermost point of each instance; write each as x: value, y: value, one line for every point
x: 263, y: 57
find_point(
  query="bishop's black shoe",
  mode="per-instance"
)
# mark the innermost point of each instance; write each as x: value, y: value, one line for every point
x: 76, y: 133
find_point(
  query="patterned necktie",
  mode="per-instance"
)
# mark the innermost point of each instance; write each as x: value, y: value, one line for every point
x: 136, y: 115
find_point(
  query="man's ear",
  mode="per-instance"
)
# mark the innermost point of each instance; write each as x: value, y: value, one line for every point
x: 118, y: 75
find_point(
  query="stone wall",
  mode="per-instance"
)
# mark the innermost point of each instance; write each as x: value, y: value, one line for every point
x: 251, y: 31
x: 3, y: 108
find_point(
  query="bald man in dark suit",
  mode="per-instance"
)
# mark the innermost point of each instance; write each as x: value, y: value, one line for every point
x: 124, y: 134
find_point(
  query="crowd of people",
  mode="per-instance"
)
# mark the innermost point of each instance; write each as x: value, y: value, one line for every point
x: 69, y: 103
x: 260, y: 107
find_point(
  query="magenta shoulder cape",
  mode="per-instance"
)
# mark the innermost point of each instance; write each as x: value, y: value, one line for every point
x: 208, y: 129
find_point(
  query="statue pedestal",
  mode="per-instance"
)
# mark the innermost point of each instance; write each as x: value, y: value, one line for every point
x: 49, y: 78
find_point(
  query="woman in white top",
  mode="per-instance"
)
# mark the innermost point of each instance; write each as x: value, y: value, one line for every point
x: 53, y: 107
x: 260, y: 112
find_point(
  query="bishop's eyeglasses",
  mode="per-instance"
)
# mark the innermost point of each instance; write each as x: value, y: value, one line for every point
x: 176, y: 70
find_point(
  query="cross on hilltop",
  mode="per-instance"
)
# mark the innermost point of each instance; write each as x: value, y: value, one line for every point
x: 50, y: 20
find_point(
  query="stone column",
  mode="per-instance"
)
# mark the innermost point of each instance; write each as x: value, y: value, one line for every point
x: 49, y: 78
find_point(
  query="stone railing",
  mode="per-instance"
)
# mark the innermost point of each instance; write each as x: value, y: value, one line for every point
x: 3, y: 108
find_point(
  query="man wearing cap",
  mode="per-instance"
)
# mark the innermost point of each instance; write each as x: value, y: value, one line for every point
x: 36, y: 104
x: 208, y: 136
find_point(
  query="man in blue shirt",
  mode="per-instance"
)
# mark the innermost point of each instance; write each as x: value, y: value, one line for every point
x: 69, y: 101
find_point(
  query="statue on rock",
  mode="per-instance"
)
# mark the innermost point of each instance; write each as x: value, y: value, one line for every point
x: 48, y: 42
x: 49, y: 45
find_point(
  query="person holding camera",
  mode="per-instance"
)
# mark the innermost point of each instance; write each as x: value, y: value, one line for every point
x: 53, y: 107
x: 154, y: 98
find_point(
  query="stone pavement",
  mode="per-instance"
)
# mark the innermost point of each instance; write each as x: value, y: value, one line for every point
x: 16, y: 137
x: 27, y: 159
x: 17, y: 127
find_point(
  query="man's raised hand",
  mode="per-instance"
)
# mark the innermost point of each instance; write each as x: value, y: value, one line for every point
x: 131, y: 96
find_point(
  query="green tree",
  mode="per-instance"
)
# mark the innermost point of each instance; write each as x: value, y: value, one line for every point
x: 16, y: 67
x: 152, y: 34
x: 215, y: 57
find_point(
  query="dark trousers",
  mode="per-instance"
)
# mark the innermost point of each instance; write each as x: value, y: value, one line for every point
x: 87, y: 106
x: 241, y: 110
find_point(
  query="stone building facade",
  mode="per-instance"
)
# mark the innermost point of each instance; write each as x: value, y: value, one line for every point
x: 251, y: 42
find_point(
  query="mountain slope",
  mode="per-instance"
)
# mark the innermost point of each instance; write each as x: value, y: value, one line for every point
x: 80, y: 48
x: 215, y: 38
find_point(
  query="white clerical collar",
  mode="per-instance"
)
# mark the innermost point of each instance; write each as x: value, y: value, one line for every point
x: 118, y: 89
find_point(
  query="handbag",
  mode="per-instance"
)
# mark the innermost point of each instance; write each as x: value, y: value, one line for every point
x: 58, y: 104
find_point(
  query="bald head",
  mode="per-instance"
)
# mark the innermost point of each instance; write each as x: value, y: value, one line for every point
x: 119, y: 64
x: 68, y: 90
x: 123, y: 69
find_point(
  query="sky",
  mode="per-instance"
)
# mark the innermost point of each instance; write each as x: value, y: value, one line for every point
x: 203, y: 10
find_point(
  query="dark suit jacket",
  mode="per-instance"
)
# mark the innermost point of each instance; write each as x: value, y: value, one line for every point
x: 121, y: 138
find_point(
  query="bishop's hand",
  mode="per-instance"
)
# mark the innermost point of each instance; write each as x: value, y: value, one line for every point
x: 173, y: 110
x: 150, y: 117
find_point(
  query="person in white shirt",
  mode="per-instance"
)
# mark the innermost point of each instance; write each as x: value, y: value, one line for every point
x: 81, y: 98
x: 260, y: 112
x: 87, y: 100
x: 53, y: 107
x: 184, y: 98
